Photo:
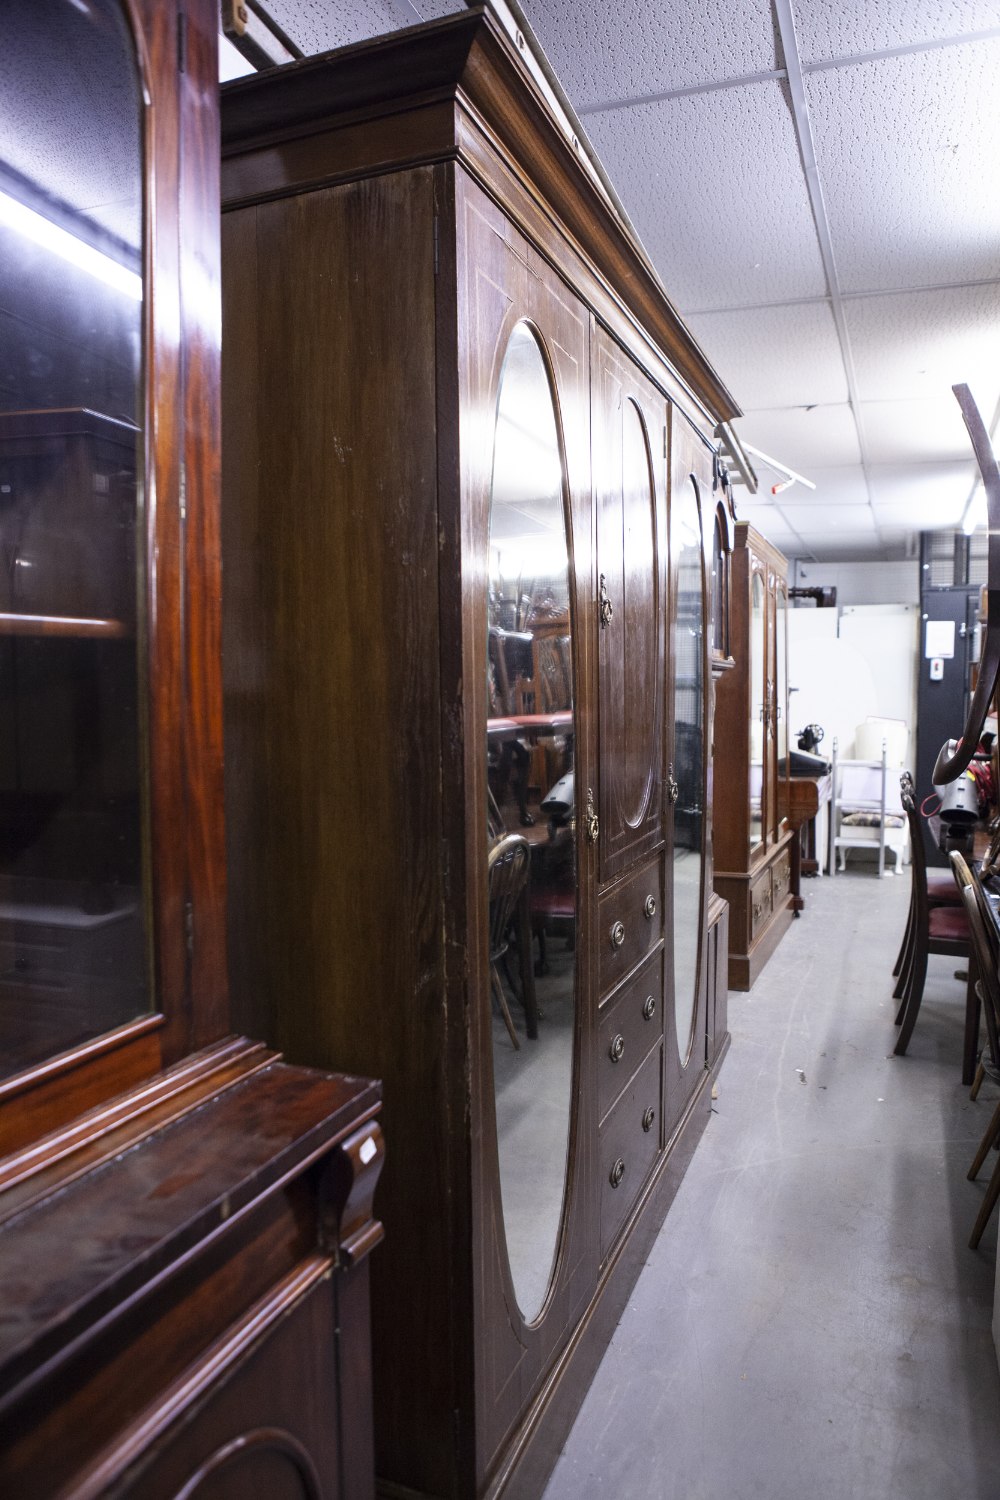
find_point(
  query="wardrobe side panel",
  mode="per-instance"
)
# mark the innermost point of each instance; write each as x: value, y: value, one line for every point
x: 332, y: 701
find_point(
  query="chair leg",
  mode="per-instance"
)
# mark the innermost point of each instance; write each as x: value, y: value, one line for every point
x: 989, y: 1203
x: 988, y: 1140
x: 973, y: 1015
x: 911, y: 1004
x: 905, y: 982
x: 504, y: 1007
x: 907, y: 931
x: 525, y: 956
x: 977, y: 1085
x: 902, y: 984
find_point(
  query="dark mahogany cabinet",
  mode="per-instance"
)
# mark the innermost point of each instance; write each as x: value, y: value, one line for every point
x: 467, y: 520
x: 753, y: 853
x: 184, y: 1219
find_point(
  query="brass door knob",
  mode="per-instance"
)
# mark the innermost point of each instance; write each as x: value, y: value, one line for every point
x: 647, y: 1120
x: 617, y: 1173
x: 649, y: 1007
x: 617, y: 1048
x: 617, y: 935
x: 650, y: 907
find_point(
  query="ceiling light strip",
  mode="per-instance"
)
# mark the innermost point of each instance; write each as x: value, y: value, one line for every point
x: 634, y: 101
x: 803, y: 130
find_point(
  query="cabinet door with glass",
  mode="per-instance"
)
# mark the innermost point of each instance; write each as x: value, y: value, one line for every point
x: 758, y: 678
x: 779, y: 705
x: 629, y: 445
x: 110, y: 826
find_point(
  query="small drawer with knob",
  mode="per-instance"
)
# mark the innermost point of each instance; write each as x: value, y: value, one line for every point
x: 629, y: 1144
x: 630, y: 924
x: 631, y: 1023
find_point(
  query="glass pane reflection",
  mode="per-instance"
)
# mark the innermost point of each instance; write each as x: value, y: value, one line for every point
x: 73, y: 958
x: 757, y: 710
x: 689, y: 756
x: 531, y: 818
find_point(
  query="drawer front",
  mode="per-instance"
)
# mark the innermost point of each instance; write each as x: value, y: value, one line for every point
x: 781, y: 880
x: 631, y: 1023
x: 629, y: 1144
x: 760, y: 903
x: 630, y: 924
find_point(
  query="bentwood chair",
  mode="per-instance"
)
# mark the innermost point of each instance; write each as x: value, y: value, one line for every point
x: 988, y: 985
x: 939, y: 930
x: 941, y: 891
x: 509, y: 864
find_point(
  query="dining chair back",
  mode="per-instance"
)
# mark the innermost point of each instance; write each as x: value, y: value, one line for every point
x: 939, y: 930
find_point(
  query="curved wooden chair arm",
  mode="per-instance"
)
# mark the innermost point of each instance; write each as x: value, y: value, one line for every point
x: 950, y: 767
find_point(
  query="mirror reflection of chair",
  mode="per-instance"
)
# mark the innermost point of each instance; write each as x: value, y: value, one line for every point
x: 988, y: 985
x: 865, y: 812
x: 939, y: 930
x: 509, y: 865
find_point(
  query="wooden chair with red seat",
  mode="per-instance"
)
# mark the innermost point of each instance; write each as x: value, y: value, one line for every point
x: 939, y: 930
x: 987, y: 958
x: 941, y: 891
x: 981, y: 933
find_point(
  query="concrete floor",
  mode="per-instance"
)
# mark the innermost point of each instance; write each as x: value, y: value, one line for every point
x: 810, y: 1322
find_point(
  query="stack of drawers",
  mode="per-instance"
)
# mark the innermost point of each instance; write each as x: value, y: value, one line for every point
x: 630, y: 1048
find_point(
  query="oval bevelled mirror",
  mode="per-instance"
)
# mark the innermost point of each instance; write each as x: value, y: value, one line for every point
x: 531, y: 817
x: 73, y: 856
x: 689, y: 754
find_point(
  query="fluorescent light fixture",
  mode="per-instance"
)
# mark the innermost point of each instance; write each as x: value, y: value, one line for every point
x: 41, y: 231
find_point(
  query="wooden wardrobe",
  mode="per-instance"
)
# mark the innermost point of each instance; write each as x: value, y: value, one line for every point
x: 753, y: 842
x: 468, y: 455
x: 184, y: 1219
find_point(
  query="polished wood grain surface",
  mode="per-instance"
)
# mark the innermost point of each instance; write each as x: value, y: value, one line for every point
x: 756, y: 882
x: 183, y: 1249
x: 416, y: 227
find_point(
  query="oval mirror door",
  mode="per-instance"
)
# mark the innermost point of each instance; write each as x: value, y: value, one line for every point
x: 531, y: 818
x: 689, y: 755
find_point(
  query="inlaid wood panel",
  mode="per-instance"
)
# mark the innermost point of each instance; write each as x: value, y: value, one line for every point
x: 629, y: 450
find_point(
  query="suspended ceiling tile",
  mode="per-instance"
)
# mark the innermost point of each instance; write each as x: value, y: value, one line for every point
x: 775, y: 356
x: 835, y: 487
x: 919, y: 344
x: 714, y: 186
x: 615, y: 49
x: 319, y: 25
x: 808, y: 520
x: 801, y: 437
x: 232, y: 64
x: 847, y: 28
x: 931, y: 495
x: 910, y: 431
x: 901, y: 145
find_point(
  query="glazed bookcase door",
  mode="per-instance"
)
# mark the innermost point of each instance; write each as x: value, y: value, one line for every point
x: 111, y: 852
x: 780, y: 701
x: 511, y: 296
x: 629, y: 441
x: 757, y: 729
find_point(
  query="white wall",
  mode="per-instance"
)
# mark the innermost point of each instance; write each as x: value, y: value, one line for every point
x: 845, y: 668
x: 861, y: 583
